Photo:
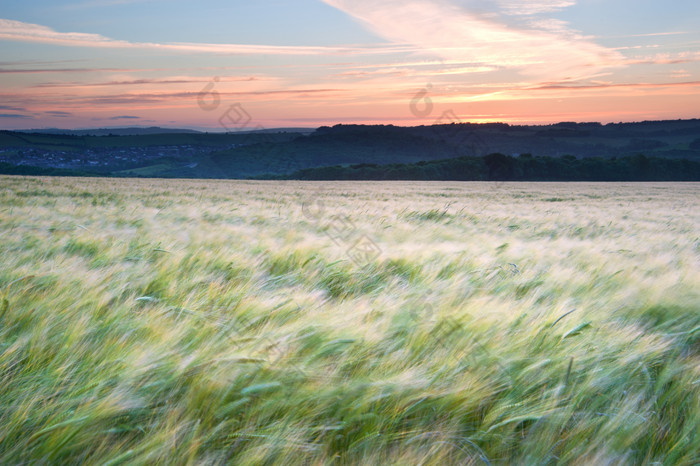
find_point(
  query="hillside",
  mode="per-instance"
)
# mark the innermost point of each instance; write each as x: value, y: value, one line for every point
x: 282, y: 152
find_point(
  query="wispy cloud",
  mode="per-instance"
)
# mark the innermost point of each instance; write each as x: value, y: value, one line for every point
x: 648, y: 86
x: 413, y: 72
x: 679, y: 74
x: 530, y: 7
x: 12, y: 108
x: 125, y: 117
x: 66, y: 70
x: 58, y: 113
x: 596, y: 92
x: 171, y: 97
x: 142, y: 100
x: 507, y: 34
x: 27, y: 32
x: 14, y: 116
x: 649, y: 34
x: 667, y: 58
x: 139, y: 82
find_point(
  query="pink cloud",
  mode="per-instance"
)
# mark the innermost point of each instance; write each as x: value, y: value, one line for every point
x: 27, y: 32
x: 452, y: 32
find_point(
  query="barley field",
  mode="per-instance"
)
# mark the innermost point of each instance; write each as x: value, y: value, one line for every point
x: 245, y: 322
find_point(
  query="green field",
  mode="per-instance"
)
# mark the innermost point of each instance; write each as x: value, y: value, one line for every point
x: 260, y: 322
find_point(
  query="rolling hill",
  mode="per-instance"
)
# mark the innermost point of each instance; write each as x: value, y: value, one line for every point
x: 282, y: 152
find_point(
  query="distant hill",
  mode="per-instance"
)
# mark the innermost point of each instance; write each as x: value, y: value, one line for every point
x: 240, y: 155
x: 140, y: 131
x: 78, y: 143
x: 118, y: 131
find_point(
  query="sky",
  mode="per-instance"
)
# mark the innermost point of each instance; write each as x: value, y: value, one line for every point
x: 232, y: 65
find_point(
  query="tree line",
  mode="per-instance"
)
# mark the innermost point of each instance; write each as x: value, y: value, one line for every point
x: 525, y: 167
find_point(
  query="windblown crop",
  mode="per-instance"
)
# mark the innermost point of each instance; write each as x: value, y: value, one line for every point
x: 212, y: 322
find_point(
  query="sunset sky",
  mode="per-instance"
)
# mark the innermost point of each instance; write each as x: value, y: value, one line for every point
x: 306, y: 63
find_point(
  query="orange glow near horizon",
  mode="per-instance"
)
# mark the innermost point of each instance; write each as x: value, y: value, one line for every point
x: 514, y: 65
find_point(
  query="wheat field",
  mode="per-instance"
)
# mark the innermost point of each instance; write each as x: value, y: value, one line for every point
x: 251, y: 322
